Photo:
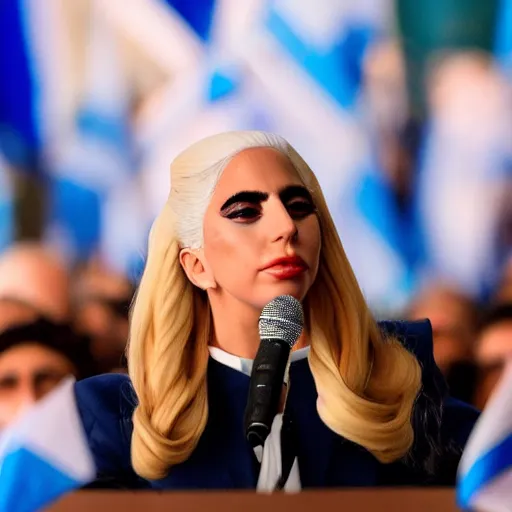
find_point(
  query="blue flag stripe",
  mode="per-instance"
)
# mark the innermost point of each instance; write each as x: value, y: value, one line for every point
x: 19, y: 132
x: 486, y: 469
x: 43, y: 482
x: 338, y: 70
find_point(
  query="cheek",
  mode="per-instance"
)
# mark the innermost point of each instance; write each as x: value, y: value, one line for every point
x: 311, y: 238
x: 232, y: 253
x: 9, y: 406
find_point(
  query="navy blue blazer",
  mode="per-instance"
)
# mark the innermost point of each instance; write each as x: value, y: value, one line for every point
x: 223, y: 458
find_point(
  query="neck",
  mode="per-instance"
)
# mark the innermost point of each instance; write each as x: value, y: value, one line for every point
x: 235, y: 328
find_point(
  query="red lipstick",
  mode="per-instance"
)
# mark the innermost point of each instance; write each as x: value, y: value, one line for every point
x: 286, y: 268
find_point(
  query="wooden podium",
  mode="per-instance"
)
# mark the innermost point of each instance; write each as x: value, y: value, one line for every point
x: 361, y: 500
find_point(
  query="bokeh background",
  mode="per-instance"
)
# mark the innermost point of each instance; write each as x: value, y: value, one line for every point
x: 402, y: 108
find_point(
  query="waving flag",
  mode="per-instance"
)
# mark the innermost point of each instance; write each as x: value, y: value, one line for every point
x: 97, y: 156
x: 485, y: 471
x: 164, y: 73
x: 44, y: 454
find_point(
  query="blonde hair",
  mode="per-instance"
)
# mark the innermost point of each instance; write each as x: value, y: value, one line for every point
x: 367, y: 385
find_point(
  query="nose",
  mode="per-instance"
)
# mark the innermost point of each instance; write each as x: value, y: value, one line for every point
x: 27, y: 396
x: 281, y: 225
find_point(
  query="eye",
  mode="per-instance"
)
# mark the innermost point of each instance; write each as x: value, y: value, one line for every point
x: 300, y: 208
x: 8, y: 383
x: 244, y: 214
x: 46, y: 380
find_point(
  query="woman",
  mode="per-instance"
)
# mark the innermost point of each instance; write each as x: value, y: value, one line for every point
x: 245, y: 222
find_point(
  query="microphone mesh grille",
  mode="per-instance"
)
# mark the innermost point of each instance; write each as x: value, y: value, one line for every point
x: 283, y: 319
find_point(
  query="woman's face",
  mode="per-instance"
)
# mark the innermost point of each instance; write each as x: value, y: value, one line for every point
x: 261, y: 232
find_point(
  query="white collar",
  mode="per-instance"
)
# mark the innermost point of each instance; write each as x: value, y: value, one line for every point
x: 245, y: 365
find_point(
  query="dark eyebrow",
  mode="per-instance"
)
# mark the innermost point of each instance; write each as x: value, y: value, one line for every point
x: 245, y: 197
x: 255, y: 196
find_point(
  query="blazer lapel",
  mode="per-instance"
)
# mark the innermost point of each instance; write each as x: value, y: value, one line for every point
x: 315, y: 440
x: 325, y: 458
x: 227, y: 395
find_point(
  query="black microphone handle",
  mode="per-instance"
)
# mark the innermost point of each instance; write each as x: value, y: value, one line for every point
x: 265, y: 389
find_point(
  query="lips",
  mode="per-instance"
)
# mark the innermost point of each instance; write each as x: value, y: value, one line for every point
x: 286, y: 268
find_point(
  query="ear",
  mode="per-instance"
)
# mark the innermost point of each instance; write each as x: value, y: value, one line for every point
x: 197, y: 269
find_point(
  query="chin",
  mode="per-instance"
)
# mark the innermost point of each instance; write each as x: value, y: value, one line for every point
x: 296, y: 290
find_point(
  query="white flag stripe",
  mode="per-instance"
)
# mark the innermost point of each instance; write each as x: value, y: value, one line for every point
x: 493, y: 426
x: 159, y: 31
x: 52, y: 430
x: 497, y: 496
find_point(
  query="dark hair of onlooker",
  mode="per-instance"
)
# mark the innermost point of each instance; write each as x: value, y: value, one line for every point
x: 59, y: 337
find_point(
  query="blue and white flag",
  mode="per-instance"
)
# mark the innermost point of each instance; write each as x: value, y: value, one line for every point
x: 96, y: 156
x: 485, y: 470
x: 44, y: 454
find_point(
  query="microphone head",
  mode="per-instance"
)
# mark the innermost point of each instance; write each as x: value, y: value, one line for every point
x: 282, y: 319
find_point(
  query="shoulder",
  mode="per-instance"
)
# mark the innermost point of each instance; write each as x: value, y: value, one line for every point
x: 109, y: 394
x: 441, y: 424
x: 105, y: 404
x: 416, y: 336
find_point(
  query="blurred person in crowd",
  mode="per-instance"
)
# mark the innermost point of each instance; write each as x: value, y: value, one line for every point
x: 34, y: 274
x: 454, y: 319
x: 493, y: 348
x: 101, y: 301
x: 35, y: 356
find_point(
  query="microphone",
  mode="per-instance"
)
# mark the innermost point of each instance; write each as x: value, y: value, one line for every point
x: 280, y: 326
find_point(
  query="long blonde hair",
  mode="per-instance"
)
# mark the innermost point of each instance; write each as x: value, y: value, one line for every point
x: 367, y: 385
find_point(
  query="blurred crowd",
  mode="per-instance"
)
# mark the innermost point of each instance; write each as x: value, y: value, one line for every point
x: 56, y: 323
x: 472, y: 340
